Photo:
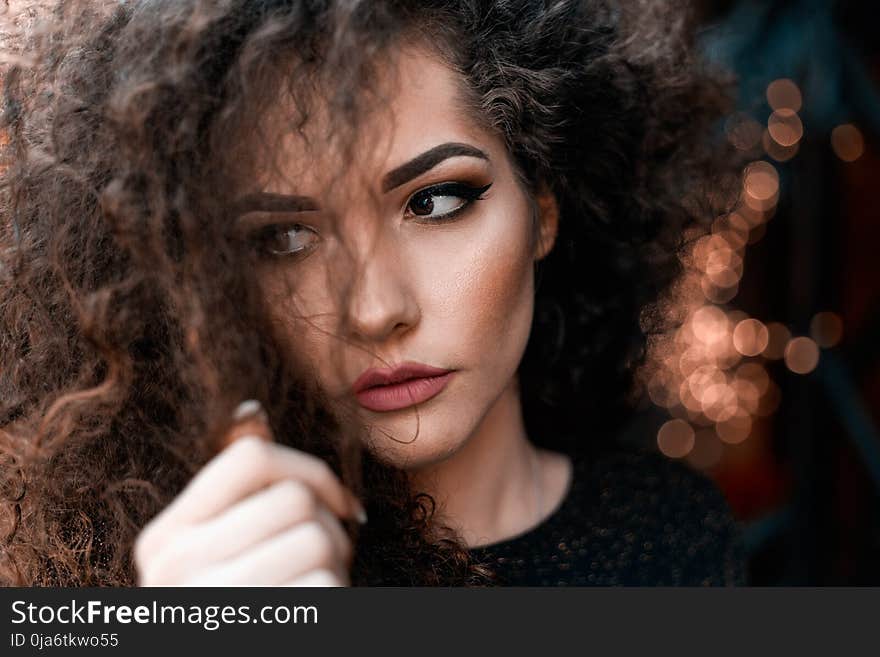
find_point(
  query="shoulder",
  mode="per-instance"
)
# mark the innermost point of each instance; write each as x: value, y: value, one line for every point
x: 672, y: 522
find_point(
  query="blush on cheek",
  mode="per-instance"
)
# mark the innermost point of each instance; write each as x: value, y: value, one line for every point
x: 498, y: 304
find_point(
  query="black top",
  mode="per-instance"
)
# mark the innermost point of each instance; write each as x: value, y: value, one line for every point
x: 628, y: 519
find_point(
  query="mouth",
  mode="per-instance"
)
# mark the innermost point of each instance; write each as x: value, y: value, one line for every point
x: 400, y: 387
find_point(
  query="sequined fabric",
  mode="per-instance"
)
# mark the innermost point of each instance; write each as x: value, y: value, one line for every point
x: 628, y: 519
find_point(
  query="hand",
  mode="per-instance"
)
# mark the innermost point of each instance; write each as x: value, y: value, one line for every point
x: 257, y: 514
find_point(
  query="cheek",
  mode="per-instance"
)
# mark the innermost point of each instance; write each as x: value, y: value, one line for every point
x: 481, y: 288
x: 303, y: 324
x: 499, y: 297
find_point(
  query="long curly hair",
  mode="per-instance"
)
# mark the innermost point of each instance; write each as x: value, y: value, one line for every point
x: 129, y: 327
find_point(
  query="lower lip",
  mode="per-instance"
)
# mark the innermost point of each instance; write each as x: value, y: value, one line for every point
x: 404, y: 394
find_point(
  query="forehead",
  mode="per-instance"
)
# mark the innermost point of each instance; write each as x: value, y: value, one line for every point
x: 417, y: 103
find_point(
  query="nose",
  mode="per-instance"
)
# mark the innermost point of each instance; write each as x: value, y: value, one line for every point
x: 382, y: 304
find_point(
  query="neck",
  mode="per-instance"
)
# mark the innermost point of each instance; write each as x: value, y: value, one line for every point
x: 486, y: 490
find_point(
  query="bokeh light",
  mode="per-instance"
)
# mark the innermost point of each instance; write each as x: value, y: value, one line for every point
x: 785, y: 127
x: 747, y: 393
x: 801, y: 355
x: 660, y: 390
x: 755, y: 216
x: 709, y: 325
x: 733, y: 229
x: 784, y: 94
x: 760, y: 186
x: 750, y: 337
x: 675, y: 438
x: 708, y: 372
x: 776, y: 151
x: 717, y: 294
x: 719, y: 402
x: 847, y: 142
x: 736, y: 428
x: 826, y: 328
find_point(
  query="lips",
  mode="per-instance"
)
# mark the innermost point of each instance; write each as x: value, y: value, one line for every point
x: 399, y: 387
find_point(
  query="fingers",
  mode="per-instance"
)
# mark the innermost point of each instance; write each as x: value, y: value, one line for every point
x: 264, y: 514
x: 251, y: 463
x: 227, y: 551
x: 245, y: 467
x: 292, y: 554
x: 319, y: 578
x: 257, y: 513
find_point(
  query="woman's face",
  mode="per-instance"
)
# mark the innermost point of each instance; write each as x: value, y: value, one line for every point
x: 418, y: 250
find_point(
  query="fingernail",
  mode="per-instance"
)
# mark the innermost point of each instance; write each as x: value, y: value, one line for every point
x: 249, y: 408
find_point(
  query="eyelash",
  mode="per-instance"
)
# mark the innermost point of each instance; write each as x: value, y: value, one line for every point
x: 467, y: 193
x: 454, y: 189
x: 260, y: 240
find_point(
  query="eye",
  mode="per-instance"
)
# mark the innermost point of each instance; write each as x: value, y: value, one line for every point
x: 442, y: 202
x: 286, y: 239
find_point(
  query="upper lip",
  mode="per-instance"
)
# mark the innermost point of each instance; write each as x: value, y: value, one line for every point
x: 402, y: 372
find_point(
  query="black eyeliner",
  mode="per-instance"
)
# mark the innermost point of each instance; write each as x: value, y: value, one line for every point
x: 462, y: 190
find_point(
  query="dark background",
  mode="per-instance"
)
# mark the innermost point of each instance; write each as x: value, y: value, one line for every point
x: 806, y: 480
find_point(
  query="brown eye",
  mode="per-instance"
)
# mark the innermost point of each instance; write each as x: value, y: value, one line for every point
x: 422, y: 203
x: 444, y: 201
x: 287, y: 240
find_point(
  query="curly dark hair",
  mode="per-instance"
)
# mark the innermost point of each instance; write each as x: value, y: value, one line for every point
x: 128, y: 329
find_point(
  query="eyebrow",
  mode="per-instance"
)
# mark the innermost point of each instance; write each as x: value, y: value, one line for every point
x: 274, y: 202
x: 427, y: 161
x: 271, y: 202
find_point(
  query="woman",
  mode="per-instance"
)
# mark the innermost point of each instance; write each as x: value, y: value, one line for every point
x: 419, y: 239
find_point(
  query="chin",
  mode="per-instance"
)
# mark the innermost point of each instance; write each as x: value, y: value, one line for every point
x: 395, y: 445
